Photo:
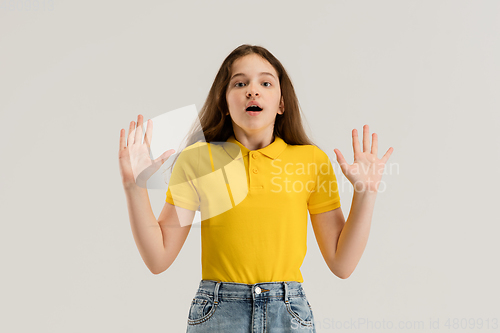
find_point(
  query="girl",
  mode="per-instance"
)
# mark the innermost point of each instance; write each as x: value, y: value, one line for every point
x: 253, y: 225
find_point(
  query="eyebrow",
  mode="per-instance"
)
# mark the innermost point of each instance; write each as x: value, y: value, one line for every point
x: 261, y: 73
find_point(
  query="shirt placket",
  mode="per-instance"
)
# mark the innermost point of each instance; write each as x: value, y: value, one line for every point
x: 255, y: 168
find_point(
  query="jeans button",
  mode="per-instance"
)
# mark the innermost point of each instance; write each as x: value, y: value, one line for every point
x: 257, y: 290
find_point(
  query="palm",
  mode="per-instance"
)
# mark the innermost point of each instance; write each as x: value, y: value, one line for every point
x: 135, y: 160
x: 136, y: 166
x: 366, y: 171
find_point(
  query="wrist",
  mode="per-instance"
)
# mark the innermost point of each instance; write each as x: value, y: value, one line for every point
x: 133, y: 187
x: 366, y: 192
x: 366, y: 187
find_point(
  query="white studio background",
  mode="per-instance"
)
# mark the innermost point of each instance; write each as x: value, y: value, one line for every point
x: 424, y: 75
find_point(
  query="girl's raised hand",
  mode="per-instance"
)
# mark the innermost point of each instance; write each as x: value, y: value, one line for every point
x: 136, y: 166
x: 366, y: 172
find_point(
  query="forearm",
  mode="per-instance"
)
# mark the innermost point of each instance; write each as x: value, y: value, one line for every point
x: 354, y: 235
x: 145, y: 227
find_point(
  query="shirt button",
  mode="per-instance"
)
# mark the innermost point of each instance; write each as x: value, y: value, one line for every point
x: 255, y: 170
x: 254, y: 155
x: 257, y: 290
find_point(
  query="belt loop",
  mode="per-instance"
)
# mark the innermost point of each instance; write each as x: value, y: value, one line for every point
x: 286, y: 291
x: 216, y: 293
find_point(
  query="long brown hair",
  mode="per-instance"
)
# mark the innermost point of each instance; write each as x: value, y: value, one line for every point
x: 216, y: 126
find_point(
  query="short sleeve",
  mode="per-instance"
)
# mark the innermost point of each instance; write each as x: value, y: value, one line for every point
x: 325, y: 195
x: 181, y: 190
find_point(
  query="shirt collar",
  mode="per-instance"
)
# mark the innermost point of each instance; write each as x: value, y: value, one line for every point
x: 272, y: 151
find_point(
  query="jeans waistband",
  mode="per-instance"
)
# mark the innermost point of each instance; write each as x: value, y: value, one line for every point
x: 233, y: 290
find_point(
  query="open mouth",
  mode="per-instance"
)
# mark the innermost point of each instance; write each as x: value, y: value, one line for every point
x: 253, y: 108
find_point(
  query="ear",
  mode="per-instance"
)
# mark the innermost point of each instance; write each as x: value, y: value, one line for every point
x: 282, y: 106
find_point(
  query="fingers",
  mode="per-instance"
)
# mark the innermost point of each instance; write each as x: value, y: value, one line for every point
x: 387, y: 155
x: 131, y: 131
x: 355, y: 141
x: 374, y: 144
x: 134, y: 134
x: 123, y: 144
x: 138, y: 130
x: 161, y: 159
x: 340, y: 158
x: 149, y: 133
x: 366, y: 138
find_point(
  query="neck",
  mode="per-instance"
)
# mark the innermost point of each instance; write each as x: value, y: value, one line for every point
x: 254, y: 141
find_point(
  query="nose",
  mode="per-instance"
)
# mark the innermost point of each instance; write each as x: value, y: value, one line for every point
x: 252, y: 90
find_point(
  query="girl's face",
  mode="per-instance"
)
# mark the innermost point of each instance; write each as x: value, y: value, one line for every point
x: 254, y: 81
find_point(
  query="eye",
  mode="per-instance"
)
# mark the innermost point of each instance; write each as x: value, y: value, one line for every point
x: 268, y: 85
x: 236, y: 84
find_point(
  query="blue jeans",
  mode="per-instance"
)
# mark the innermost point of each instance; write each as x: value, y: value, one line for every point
x: 274, y: 307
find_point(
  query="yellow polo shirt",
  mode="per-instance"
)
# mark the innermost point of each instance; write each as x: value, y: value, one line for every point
x: 253, y: 205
